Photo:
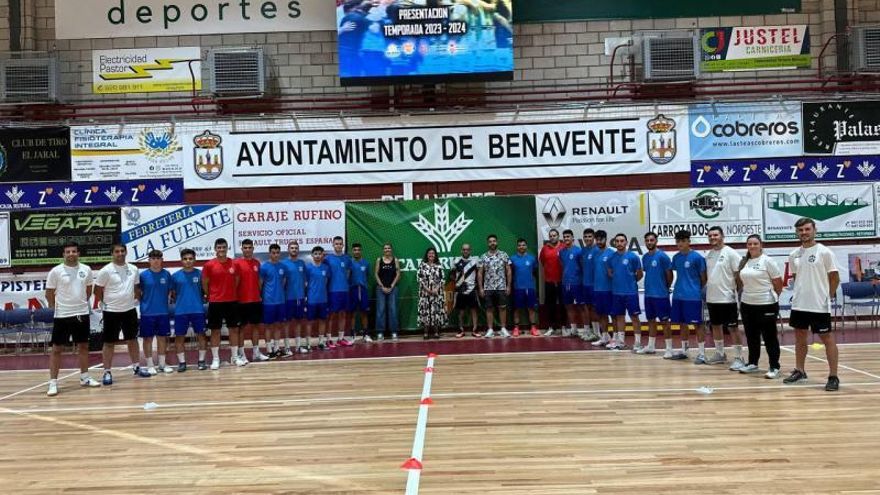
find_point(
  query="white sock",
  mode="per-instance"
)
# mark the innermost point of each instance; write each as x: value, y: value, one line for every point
x: 181, y: 357
x: 215, y: 353
x: 595, y: 326
x: 234, y: 350
x: 162, y: 361
x: 341, y: 334
x: 738, y: 351
x: 573, y: 328
x: 84, y: 375
x: 719, y: 346
x: 652, y: 341
x: 702, y: 346
x: 684, y: 345
x: 321, y: 340
x: 287, y: 342
x: 53, y: 381
x: 150, y: 362
x: 202, y: 353
x: 298, y: 342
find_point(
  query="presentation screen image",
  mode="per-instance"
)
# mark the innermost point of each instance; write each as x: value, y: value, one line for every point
x: 412, y: 41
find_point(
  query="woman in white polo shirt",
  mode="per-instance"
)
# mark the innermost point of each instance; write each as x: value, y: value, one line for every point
x: 761, y: 283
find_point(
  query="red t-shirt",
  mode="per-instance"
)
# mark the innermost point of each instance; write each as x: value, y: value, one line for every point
x: 249, y: 280
x: 221, y: 280
x: 549, y: 258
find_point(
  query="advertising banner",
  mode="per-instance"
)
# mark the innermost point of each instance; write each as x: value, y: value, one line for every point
x: 80, y: 19
x: 737, y: 210
x: 423, y: 154
x: 382, y: 42
x: 413, y: 226
x: 724, y: 131
x: 172, y: 228
x: 34, y: 154
x: 25, y: 291
x: 840, y: 211
x: 797, y: 170
x: 755, y: 48
x: 36, y: 237
x: 613, y: 212
x: 5, y: 261
x: 842, y: 128
x: 125, y: 152
x: 310, y: 224
x: 91, y: 194
x: 146, y: 70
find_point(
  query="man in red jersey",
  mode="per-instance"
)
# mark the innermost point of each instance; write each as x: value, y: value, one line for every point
x: 250, y: 305
x: 220, y: 282
x: 549, y: 258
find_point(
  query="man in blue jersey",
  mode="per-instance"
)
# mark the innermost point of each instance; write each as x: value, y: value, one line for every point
x: 525, y: 295
x: 625, y: 269
x: 337, y: 303
x: 155, y: 293
x: 658, y: 280
x: 687, y: 295
x: 295, y: 300
x: 571, y: 281
x: 591, y: 324
x: 273, y: 275
x: 358, y: 296
x: 189, y: 309
x: 317, y: 279
x: 602, y: 300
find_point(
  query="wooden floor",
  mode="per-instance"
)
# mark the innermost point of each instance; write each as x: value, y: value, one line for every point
x: 525, y: 423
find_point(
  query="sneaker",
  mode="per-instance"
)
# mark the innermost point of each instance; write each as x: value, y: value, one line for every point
x: 772, y: 374
x: 679, y: 356
x: 215, y: 365
x: 668, y: 354
x: 330, y: 345
x: 717, y: 358
x: 613, y: 346
x: 534, y: 331
x: 515, y: 331
x: 505, y: 333
x: 259, y: 356
x: 600, y: 343
x: 181, y: 367
x: 566, y: 332
x: 202, y: 366
x: 737, y: 365
x: 749, y: 369
x: 108, y: 378
x: 141, y: 372
x: 796, y: 376
x: 322, y: 347
x: 394, y: 338
x: 591, y: 336
x: 649, y: 350
x: 152, y: 371
x: 700, y: 359
x: 636, y: 349
x: 549, y: 332
x: 343, y: 343
x: 833, y: 384
x: 286, y: 352
x: 489, y: 334
x: 304, y: 349
x: 91, y: 382
x: 53, y: 389
x: 368, y: 339
x: 166, y: 369
x: 380, y: 337
x: 242, y: 357
x: 238, y: 361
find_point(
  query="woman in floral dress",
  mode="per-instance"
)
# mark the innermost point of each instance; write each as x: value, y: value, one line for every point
x: 432, y: 304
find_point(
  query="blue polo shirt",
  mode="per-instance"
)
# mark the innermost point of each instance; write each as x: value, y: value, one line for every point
x: 601, y: 280
x: 188, y: 295
x: 340, y: 265
x: 317, y: 278
x: 588, y: 269
x: 523, y: 271
x: 688, y: 269
x: 273, y: 276
x: 656, y: 265
x: 624, y: 267
x: 295, y: 286
x: 571, y: 268
x: 155, y: 287
x: 360, y: 270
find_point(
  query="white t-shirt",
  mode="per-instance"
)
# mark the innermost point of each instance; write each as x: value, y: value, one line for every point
x: 721, y: 265
x: 70, y: 283
x: 118, y: 283
x: 757, y: 278
x: 811, y: 267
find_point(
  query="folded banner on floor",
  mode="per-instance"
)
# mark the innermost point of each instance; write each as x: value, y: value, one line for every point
x: 413, y: 226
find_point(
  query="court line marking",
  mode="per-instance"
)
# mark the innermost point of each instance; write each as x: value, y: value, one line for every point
x: 449, y: 395
x: 414, y: 475
x: 9, y: 396
x: 236, y: 460
x: 817, y: 358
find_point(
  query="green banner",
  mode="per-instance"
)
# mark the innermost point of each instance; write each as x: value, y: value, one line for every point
x: 414, y: 226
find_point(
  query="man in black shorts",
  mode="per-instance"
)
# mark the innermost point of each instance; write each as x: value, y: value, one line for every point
x: 493, y: 281
x: 220, y: 283
x: 68, y: 290
x: 815, y: 285
x: 115, y: 292
x: 464, y: 275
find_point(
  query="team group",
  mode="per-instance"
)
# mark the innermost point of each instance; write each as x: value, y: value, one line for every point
x: 315, y: 297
